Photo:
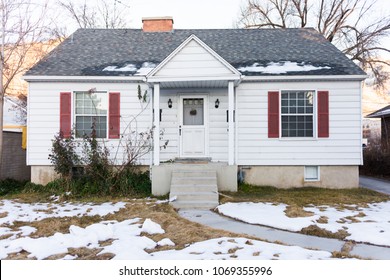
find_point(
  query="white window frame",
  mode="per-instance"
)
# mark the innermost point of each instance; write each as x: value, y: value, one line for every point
x: 312, y: 179
x: 75, y: 115
x: 314, y: 114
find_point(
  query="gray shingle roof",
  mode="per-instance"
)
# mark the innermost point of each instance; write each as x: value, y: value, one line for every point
x: 88, y: 51
x: 381, y: 113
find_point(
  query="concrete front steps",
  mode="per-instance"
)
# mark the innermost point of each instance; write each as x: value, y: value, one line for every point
x: 194, y: 189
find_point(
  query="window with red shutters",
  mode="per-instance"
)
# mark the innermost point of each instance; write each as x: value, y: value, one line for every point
x: 273, y: 114
x: 90, y: 113
x: 65, y: 114
x: 114, y: 115
x: 323, y: 114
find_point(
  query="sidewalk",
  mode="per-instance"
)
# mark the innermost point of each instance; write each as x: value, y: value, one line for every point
x: 211, y: 219
x: 379, y: 185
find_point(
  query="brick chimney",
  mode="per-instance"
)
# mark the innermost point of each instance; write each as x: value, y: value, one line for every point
x: 157, y: 24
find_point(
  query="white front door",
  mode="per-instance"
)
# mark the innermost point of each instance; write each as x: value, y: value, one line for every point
x: 193, y: 126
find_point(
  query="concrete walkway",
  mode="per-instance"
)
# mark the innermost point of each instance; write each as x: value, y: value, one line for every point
x: 375, y: 184
x: 212, y: 219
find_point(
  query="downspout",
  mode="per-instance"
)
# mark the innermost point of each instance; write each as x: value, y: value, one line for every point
x: 386, y: 138
x: 150, y: 93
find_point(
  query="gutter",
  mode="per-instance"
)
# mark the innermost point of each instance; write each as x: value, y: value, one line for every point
x: 305, y: 78
x: 83, y: 78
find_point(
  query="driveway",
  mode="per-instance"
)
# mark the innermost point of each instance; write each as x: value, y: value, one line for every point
x: 375, y: 184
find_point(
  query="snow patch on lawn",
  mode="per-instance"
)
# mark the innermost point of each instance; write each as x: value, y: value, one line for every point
x: 127, y: 242
x: 129, y: 245
x: 165, y: 242
x: 25, y: 212
x: 240, y: 248
x: 364, y: 224
x: 151, y: 227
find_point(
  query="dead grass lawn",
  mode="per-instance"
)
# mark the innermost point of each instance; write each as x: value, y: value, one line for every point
x: 305, y: 196
x: 179, y: 230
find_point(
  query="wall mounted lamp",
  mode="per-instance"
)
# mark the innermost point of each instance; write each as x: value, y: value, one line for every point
x: 217, y: 103
x: 169, y: 103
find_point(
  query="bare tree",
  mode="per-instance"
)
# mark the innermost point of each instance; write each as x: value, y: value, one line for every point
x: 350, y: 25
x: 22, y: 26
x: 101, y: 14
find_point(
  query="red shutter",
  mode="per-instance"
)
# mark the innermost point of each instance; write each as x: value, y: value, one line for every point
x: 65, y: 114
x: 323, y: 114
x: 273, y: 114
x: 114, y: 115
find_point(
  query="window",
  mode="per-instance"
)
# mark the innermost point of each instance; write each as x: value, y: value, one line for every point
x: 312, y: 173
x: 193, y: 111
x: 297, y: 113
x: 91, y: 112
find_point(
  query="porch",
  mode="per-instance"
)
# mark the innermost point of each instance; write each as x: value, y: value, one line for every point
x: 193, y: 184
x: 199, y: 126
x: 199, y: 160
x: 193, y: 109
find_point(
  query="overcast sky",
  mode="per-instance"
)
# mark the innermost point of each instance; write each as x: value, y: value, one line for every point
x: 198, y: 13
x: 193, y: 13
x: 187, y: 13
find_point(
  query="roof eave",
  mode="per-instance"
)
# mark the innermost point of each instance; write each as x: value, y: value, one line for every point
x: 130, y: 79
x: 305, y: 78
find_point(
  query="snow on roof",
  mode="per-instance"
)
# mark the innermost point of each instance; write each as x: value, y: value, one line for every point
x: 281, y: 67
x: 141, y: 70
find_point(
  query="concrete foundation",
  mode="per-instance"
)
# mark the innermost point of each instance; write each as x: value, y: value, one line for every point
x: 43, y: 174
x: 161, y: 175
x: 334, y: 177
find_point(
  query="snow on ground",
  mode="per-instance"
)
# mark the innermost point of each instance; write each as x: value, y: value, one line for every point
x: 151, y: 227
x: 127, y: 240
x: 281, y: 67
x: 240, y: 248
x: 370, y: 224
x: 25, y: 212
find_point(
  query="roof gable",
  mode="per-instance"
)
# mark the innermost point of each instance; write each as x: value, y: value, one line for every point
x: 194, y: 58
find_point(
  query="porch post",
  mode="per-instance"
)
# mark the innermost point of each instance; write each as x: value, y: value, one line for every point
x: 231, y: 123
x: 156, y: 123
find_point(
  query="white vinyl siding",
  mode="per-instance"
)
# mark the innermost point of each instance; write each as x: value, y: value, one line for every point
x: 343, y: 147
x: 44, y: 116
x: 193, y: 61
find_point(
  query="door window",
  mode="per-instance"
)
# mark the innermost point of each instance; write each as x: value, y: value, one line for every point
x: 193, y: 111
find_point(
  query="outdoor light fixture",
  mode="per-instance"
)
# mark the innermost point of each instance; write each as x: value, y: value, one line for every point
x: 169, y: 103
x: 217, y: 103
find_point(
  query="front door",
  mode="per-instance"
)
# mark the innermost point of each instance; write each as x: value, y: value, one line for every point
x: 193, y: 126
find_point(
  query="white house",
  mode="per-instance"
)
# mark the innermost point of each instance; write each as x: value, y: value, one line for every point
x: 279, y: 107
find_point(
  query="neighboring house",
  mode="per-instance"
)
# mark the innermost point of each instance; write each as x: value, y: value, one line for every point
x: 13, y: 163
x: 384, y: 115
x: 278, y: 107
